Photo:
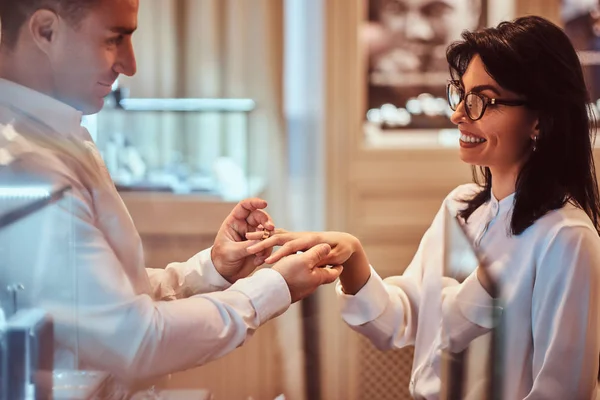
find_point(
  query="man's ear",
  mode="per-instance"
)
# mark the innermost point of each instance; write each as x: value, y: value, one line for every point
x: 43, y: 27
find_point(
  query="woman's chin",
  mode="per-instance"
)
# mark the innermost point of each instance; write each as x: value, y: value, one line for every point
x: 471, y: 159
x: 467, y: 158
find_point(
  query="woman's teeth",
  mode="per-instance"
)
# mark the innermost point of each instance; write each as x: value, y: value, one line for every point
x: 471, y: 139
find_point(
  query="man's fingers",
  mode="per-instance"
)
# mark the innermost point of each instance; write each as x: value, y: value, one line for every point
x: 316, y: 254
x: 329, y: 275
x: 260, y: 218
x: 243, y: 209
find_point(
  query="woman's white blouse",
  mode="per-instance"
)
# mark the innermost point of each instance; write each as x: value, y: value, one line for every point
x: 549, y: 278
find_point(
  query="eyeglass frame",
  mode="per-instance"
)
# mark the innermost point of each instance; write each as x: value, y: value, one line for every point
x: 484, y: 99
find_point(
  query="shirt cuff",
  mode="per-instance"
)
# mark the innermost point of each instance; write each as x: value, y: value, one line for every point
x: 210, y: 276
x: 475, y: 303
x: 367, y: 304
x: 268, y: 292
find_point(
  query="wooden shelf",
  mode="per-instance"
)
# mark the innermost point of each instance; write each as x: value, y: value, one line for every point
x: 173, y: 214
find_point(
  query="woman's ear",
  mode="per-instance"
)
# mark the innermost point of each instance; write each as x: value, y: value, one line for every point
x: 536, y: 129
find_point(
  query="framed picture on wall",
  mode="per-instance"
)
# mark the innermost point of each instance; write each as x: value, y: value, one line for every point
x: 581, y: 21
x: 405, y: 43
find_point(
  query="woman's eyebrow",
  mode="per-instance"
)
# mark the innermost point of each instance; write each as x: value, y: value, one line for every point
x: 481, y: 88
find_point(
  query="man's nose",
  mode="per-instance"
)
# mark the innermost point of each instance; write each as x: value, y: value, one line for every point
x: 126, y: 64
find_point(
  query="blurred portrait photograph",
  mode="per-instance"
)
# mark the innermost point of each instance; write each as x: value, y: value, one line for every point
x: 581, y: 20
x: 405, y: 43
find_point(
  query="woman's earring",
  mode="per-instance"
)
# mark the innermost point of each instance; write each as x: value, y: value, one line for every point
x: 535, y: 139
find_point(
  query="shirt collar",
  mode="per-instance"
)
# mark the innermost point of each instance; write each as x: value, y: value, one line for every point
x: 60, y: 117
x: 502, y: 206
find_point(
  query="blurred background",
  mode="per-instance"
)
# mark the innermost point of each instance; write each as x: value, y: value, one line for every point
x: 332, y: 110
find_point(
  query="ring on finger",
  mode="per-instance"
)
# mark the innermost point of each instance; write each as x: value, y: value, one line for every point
x: 266, y: 234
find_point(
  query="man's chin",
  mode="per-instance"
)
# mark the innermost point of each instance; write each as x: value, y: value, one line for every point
x: 92, y: 107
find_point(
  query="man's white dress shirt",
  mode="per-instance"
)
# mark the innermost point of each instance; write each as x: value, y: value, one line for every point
x: 133, y: 322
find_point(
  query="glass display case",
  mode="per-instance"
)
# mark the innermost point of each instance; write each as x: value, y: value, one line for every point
x: 40, y: 303
x: 38, y: 286
x: 182, y: 146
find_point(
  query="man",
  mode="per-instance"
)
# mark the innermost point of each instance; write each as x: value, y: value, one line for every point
x: 58, y: 60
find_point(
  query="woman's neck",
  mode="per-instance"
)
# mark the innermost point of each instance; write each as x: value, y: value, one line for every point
x: 503, y: 183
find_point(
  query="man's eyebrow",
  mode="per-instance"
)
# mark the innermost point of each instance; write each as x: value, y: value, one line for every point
x: 123, y: 30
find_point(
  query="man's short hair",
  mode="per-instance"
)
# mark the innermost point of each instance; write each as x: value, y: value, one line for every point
x: 15, y: 13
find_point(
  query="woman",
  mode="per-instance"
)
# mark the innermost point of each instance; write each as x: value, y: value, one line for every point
x: 521, y: 106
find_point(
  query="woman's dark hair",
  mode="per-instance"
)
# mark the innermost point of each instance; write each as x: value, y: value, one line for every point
x: 533, y: 57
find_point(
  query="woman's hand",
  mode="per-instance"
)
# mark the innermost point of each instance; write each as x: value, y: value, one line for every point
x: 343, y: 245
x: 346, y: 251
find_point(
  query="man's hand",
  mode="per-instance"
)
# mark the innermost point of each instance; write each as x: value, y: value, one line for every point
x: 302, y: 274
x: 229, y: 254
x: 343, y: 245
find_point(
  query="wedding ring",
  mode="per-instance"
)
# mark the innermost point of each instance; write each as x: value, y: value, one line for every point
x: 266, y: 234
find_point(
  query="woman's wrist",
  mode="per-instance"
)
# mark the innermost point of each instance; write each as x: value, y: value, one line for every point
x: 357, y: 271
x: 356, y: 245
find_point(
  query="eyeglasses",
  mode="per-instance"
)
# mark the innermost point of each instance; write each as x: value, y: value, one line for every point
x: 475, y: 103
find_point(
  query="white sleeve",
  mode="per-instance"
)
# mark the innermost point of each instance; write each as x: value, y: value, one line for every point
x: 384, y: 311
x: 184, y: 279
x: 387, y: 311
x: 129, y: 334
x: 565, y: 318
